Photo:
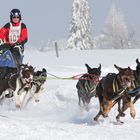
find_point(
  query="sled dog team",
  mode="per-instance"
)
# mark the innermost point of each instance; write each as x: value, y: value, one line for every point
x: 23, y: 82
x: 122, y: 88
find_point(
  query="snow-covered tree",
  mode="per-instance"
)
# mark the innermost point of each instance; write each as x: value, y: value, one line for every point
x: 115, y: 33
x: 81, y: 26
x: 134, y: 38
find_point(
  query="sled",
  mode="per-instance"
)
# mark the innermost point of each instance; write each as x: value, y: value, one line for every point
x: 7, y: 60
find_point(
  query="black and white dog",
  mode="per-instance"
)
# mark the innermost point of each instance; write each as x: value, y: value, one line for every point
x: 24, y: 83
x: 39, y: 79
x: 17, y: 83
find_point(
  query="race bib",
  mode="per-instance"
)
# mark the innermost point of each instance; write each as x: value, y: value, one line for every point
x: 14, y: 33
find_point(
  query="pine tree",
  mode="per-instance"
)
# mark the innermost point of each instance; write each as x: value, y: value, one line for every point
x: 80, y: 27
x: 115, y: 32
x: 134, y: 38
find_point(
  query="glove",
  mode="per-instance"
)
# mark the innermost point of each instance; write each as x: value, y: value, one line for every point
x: 5, y: 47
x: 17, y: 44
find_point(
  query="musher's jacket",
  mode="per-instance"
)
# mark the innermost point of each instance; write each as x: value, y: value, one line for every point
x: 13, y: 33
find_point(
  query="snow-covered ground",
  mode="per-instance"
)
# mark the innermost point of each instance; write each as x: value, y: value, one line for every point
x: 57, y: 116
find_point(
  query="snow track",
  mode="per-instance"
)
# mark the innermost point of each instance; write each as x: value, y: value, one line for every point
x: 57, y: 115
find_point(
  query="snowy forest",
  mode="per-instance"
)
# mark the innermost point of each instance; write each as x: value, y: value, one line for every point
x: 116, y: 34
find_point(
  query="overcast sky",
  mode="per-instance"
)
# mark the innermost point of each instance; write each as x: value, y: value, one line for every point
x: 49, y: 19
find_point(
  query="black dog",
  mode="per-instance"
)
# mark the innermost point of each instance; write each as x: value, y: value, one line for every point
x: 86, y: 86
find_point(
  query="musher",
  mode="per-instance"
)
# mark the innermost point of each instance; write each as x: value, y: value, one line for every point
x: 13, y: 36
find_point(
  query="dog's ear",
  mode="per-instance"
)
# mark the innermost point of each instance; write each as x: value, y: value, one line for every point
x: 22, y: 66
x: 99, y: 68
x: 88, y: 68
x: 118, y: 68
x: 44, y: 70
x: 137, y: 61
x: 129, y: 68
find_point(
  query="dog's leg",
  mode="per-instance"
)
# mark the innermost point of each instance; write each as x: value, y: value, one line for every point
x: 107, y: 105
x: 121, y: 113
x: 119, y: 106
x: 17, y: 101
x: 36, y: 92
x: 34, y: 95
x: 125, y: 107
x: 39, y: 93
x: 79, y: 98
x: 136, y: 98
x: 9, y: 93
x: 2, y: 97
x: 87, y: 107
x: 97, y: 116
x: 22, y: 96
x: 101, y: 108
x: 42, y: 88
x: 128, y: 104
x: 16, y: 96
x: 132, y: 110
x: 118, y: 118
x: 87, y: 103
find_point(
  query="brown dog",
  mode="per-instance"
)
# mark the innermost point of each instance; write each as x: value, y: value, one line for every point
x: 111, y: 88
x: 127, y: 101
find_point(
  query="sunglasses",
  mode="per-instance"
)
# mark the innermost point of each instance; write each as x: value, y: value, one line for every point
x: 15, y: 17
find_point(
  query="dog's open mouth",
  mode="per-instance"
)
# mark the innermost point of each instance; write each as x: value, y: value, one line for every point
x: 28, y: 81
x: 127, y: 82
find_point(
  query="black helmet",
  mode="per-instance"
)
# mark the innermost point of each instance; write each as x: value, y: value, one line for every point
x: 15, y: 12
